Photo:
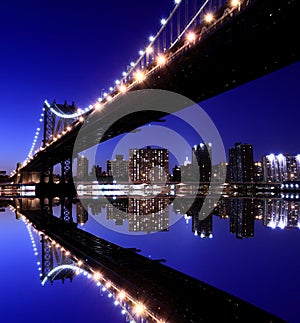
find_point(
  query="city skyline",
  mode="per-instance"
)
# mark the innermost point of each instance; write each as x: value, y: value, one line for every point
x: 241, y: 166
x: 210, y: 187
x: 25, y: 87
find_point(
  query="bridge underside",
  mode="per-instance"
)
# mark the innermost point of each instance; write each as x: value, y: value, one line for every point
x: 170, y: 294
x: 258, y: 41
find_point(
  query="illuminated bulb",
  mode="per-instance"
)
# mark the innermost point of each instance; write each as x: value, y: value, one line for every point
x: 235, y: 3
x: 177, y: 1
x: 139, y: 309
x: 191, y: 37
x: 79, y: 263
x: 132, y: 64
x: 121, y: 295
x: 117, y: 82
x: 97, y: 276
x: 67, y: 253
x: 139, y: 76
x: 141, y: 52
x: 209, y: 17
x: 149, y: 50
x: 81, y: 119
x: 97, y: 106
x: 69, y: 128
x: 108, y: 285
x: 163, y: 21
x: 122, y: 88
x: 109, y: 98
x: 124, y: 74
x: 151, y: 38
x: 161, y: 60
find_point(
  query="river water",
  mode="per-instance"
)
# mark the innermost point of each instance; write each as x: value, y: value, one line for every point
x: 248, y: 247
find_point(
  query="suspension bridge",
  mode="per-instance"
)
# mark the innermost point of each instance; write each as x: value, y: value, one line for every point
x: 202, y: 49
x: 145, y: 289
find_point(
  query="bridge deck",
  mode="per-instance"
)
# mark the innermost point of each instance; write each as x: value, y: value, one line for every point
x: 170, y: 294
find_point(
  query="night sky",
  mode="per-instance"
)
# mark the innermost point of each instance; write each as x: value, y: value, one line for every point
x: 72, y: 50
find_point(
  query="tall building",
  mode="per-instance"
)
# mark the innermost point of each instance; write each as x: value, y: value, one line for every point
x: 148, y: 165
x: 148, y: 215
x: 81, y: 214
x: 82, y: 168
x: 118, y: 168
x: 258, y: 172
x: 242, y: 217
x: 202, y: 162
x: 279, y: 168
x: 241, y: 163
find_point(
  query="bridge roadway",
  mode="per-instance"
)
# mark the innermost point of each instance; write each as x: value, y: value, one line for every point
x: 171, y: 295
x: 254, y: 42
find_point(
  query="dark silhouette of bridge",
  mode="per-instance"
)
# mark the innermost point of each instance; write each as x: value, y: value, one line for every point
x: 243, y: 41
x: 163, y: 294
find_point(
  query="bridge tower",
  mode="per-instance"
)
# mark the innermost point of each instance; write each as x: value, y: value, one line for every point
x: 55, y: 124
x: 52, y: 257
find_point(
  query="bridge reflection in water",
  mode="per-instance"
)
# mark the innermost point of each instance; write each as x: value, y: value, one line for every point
x: 147, y: 290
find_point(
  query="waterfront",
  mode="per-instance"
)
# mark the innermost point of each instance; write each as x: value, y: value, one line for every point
x: 261, y: 269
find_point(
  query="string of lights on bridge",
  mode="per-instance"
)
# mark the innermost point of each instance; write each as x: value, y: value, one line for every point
x: 134, y: 309
x: 149, y: 61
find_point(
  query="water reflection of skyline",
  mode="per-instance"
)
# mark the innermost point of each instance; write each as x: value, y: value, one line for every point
x: 150, y: 215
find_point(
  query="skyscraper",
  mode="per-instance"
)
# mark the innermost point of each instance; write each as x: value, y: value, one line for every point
x: 118, y: 168
x: 148, y: 165
x: 279, y: 168
x: 241, y: 163
x: 202, y: 162
x: 82, y: 168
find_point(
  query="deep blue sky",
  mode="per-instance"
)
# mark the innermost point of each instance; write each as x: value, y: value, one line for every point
x: 71, y: 50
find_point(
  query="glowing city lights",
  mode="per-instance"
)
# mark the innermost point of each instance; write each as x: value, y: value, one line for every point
x: 191, y: 37
x: 161, y: 60
x: 149, y: 50
x: 122, y: 88
x: 139, y: 76
x: 235, y: 3
x: 209, y: 17
x: 139, y: 309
